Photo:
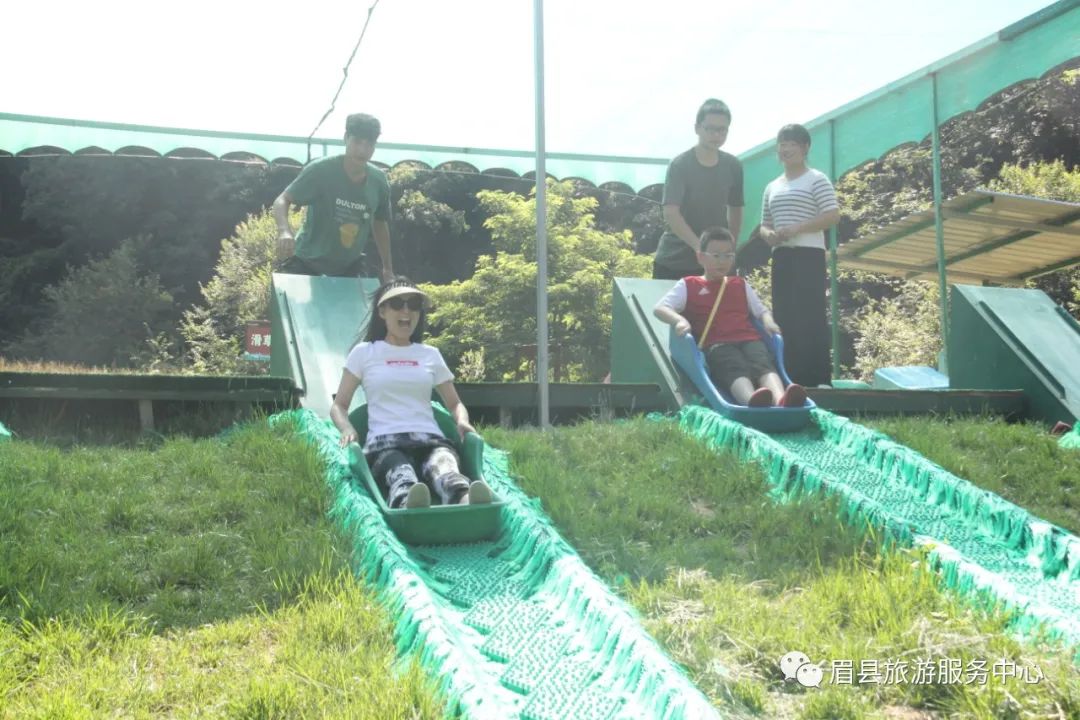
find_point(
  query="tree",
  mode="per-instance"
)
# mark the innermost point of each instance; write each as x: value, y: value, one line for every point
x: 495, y: 309
x: 438, y: 224
x: 102, y: 313
x: 1022, y: 140
x: 84, y: 206
x: 239, y: 293
x: 1053, y: 181
x: 429, y: 236
x: 905, y: 329
x: 898, y: 331
x: 620, y: 208
x: 1029, y: 122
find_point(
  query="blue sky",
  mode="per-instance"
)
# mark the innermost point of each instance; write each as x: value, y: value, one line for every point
x: 622, y: 77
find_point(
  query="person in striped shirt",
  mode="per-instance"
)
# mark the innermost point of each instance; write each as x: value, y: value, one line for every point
x: 796, y: 210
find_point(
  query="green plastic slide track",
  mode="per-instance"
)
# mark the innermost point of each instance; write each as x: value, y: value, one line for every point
x: 980, y: 543
x: 1071, y: 439
x: 314, y: 323
x: 514, y: 628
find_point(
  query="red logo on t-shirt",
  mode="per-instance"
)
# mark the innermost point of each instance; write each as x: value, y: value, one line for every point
x: 406, y: 363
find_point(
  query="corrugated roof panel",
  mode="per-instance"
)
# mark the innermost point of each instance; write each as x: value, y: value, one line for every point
x: 988, y: 236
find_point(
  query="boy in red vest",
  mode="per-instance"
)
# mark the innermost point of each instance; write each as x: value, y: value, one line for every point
x: 736, y: 357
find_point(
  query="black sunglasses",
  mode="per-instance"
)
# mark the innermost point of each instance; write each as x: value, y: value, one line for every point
x: 414, y: 302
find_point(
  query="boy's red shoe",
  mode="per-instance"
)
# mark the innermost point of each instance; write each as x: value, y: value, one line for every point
x: 794, y: 396
x: 762, y: 397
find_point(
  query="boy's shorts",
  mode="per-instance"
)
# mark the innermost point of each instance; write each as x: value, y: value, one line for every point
x: 730, y: 361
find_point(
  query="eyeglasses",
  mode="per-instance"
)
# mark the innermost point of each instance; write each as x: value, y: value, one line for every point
x: 720, y: 256
x: 413, y: 302
x: 714, y: 129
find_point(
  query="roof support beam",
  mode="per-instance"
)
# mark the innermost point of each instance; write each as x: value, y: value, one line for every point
x: 912, y: 229
x: 1051, y: 268
x: 991, y: 245
x: 1056, y: 225
x: 915, y: 270
x: 998, y: 221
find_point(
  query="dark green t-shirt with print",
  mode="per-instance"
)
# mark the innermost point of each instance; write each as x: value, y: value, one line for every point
x: 703, y: 195
x: 340, y: 212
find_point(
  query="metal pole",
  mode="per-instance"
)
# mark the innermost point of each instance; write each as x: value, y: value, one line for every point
x: 834, y: 281
x: 541, y: 221
x: 939, y: 229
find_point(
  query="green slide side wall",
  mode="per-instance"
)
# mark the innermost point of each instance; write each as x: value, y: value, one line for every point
x: 314, y: 322
x: 639, y: 342
x: 1011, y: 338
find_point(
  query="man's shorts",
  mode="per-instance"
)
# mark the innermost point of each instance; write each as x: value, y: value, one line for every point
x: 730, y: 361
x: 294, y: 265
x: 663, y: 272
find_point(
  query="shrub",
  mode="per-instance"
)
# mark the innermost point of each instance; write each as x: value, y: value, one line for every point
x: 101, y: 313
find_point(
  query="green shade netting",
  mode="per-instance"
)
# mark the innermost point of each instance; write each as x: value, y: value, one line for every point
x: 902, y: 112
x: 862, y: 130
x: 19, y: 133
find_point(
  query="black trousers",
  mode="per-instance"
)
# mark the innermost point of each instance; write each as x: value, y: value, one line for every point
x: 798, y: 305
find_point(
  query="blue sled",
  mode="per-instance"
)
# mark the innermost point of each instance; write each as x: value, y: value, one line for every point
x: 690, y: 359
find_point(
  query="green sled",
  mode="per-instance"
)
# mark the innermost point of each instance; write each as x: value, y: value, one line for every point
x: 438, y: 524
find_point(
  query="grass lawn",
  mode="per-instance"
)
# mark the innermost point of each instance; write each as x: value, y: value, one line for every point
x: 194, y: 579
x: 730, y: 582
x: 190, y: 578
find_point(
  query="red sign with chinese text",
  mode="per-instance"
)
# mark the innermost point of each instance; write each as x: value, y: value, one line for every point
x: 257, y: 340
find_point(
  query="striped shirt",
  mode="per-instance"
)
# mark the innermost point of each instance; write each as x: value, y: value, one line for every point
x: 792, y: 201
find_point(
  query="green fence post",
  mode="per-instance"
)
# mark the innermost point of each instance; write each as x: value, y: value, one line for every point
x: 943, y: 287
x: 834, y: 281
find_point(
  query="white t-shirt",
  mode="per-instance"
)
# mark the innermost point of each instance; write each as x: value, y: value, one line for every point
x: 398, y: 382
x: 789, y: 202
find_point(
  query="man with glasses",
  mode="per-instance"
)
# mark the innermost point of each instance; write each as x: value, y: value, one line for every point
x: 348, y: 203
x: 703, y: 189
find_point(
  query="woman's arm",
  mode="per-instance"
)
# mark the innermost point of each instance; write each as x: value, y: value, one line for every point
x: 339, y: 411
x: 457, y: 409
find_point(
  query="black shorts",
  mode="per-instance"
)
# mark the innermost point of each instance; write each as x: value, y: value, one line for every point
x: 663, y: 272
x: 730, y: 361
x: 294, y: 265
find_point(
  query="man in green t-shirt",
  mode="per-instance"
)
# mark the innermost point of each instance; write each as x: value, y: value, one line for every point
x: 703, y: 189
x: 348, y: 203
